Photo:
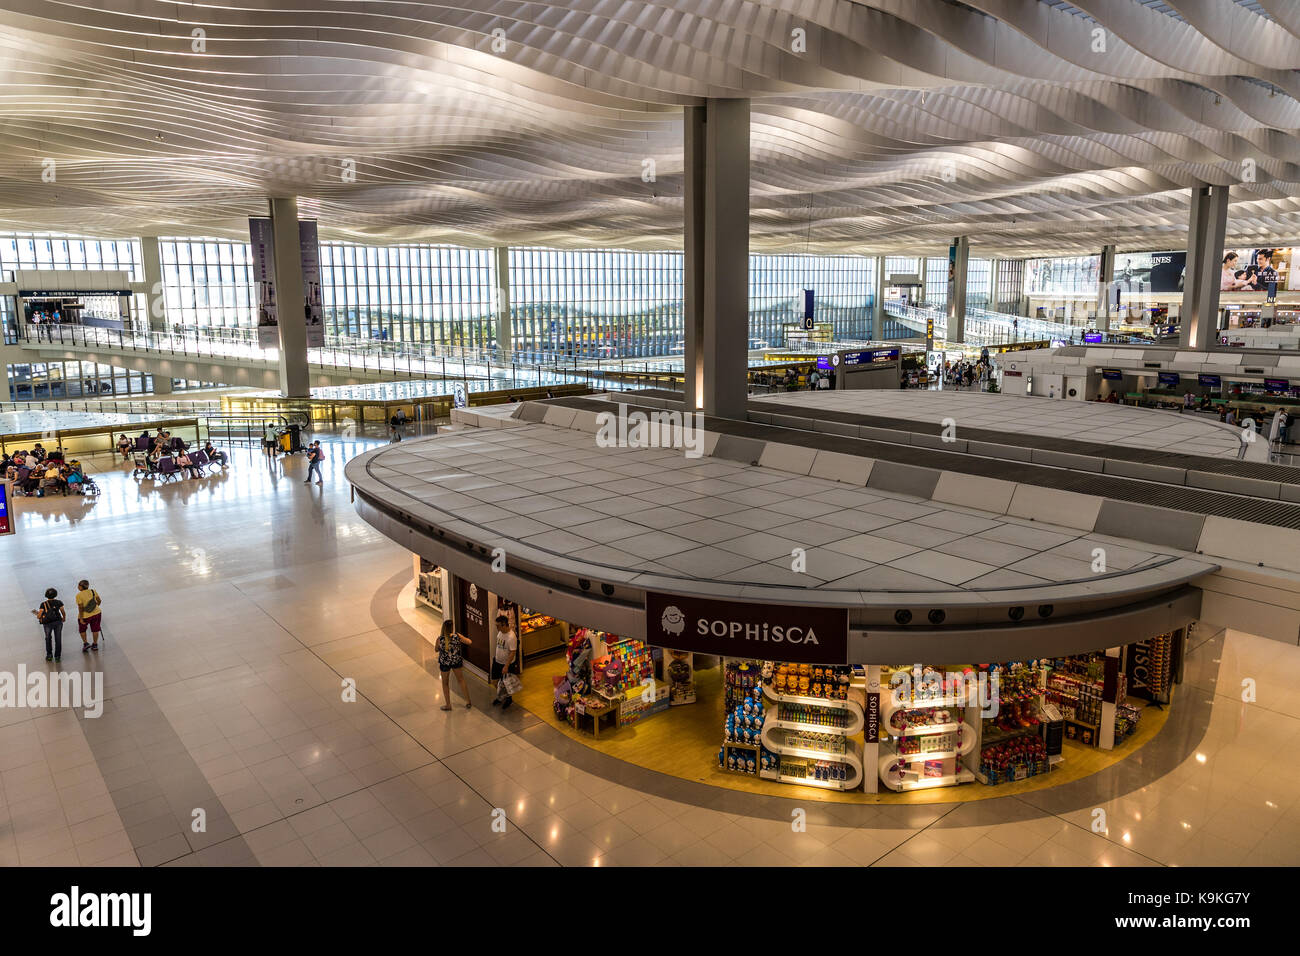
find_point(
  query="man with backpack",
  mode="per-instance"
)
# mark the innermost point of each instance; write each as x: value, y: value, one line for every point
x: 89, y: 614
x: 51, y: 616
x: 314, y: 458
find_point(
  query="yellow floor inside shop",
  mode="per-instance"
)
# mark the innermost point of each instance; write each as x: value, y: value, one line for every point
x: 684, y: 742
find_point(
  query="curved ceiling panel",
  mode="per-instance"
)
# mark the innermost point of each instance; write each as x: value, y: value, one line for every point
x: 1034, y: 127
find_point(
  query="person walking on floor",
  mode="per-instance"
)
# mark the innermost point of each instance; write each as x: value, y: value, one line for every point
x: 314, y: 458
x: 505, y: 651
x: 451, y: 658
x: 89, y: 614
x: 269, y: 439
x: 51, y: 616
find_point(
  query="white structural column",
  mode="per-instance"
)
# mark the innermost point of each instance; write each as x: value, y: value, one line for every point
x: 1105, y: 284
x: 501, y: 264
x: 1198, y: 328
x: 878, y: 306
x: 295, y: 382
x: 716, y: 194
x: 958, y: 255
x: 155, y: 302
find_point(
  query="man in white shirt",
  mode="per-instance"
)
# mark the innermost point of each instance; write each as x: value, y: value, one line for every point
x: 505, y: 648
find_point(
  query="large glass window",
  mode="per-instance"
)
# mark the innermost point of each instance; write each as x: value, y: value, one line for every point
x: 20, y: 251
x: 207, y: 283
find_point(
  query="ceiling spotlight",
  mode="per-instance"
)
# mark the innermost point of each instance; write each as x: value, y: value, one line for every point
x: 584, y: 584
x: 607, y: 590
x: 158, y: 136
x: 937, y: 616
x: 1045, y: 610
x: 1016, y: 613
x: 903, y: 616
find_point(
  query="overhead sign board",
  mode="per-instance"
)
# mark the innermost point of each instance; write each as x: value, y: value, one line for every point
x: 867, y: 356
x: 7, y: 525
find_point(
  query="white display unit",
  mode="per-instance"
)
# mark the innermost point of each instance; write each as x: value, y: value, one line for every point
x: 780, y: 728
x: 949, y: 740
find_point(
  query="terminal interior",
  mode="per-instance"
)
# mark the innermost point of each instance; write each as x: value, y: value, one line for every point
x: 647, y: 424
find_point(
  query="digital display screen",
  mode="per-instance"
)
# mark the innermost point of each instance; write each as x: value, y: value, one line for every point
x: 1276, y: 385
x: 1209, y: 381
x: 824, y: 363
x: 1091, y: 338
x: 1112, y: 375
x: 1169, y: 378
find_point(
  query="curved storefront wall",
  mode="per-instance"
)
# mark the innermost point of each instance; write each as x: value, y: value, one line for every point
x: 1073, y: 627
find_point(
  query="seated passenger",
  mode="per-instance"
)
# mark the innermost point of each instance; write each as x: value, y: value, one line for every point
x: 186, y: 465
x: 213, y: 455
x: 124, y: 446
x: 75, y: 480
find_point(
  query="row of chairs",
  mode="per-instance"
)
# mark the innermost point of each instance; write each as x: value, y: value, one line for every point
x: 166, y: 468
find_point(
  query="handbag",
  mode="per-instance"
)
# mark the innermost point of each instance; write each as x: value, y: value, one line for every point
x: 510, y: 683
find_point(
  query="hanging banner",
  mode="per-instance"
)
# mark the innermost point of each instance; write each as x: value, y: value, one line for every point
x: 808, y: 296
x: 313, y: 309
x: 263, y: 253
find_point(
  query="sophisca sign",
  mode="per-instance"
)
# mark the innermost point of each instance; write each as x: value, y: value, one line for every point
x: 779, y: 632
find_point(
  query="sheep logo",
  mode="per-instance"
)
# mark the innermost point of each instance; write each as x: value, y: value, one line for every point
x: 673, y: 621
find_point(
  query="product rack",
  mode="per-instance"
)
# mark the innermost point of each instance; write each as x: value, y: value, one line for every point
x: 779, y: 737
x: 915, y: 771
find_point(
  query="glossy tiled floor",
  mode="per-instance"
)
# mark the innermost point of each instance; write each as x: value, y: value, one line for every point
x: 236, y: 607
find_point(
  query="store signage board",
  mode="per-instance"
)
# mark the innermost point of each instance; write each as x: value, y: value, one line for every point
x: 777, y: 632
x: 7, y: 525
x: 872, y: 716
x: 824, y: 363
x: 1092, y: 338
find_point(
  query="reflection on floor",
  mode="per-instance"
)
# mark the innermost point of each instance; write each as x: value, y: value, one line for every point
x: 236, y: 608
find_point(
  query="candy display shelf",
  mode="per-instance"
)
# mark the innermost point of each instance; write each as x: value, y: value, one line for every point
x: 787, y: 737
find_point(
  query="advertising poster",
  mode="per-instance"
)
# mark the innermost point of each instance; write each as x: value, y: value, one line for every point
x: 313, y: 309
x: 1260, y: 271
x: 1139, y: 273
x: 472, y: 619
x: 263, y: 253
x: 6, y: 520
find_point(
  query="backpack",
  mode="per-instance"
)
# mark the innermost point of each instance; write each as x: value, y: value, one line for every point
x: 46, y: 614
x: 93, y: 604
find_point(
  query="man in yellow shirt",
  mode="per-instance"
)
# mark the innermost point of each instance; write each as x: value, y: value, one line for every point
x: 89, y: 614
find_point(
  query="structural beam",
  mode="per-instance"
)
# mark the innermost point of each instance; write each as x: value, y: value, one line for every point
x: 1207, y: 223
x: 716, y: 199
x: 1106, y: 286
x: 505, y: 339
x: 294, y: 379
x: 958, y: 256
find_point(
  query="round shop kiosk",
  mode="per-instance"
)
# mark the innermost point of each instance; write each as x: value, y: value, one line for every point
x: 871, y: 701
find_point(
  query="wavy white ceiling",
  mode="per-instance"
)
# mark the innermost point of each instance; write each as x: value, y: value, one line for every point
x: 904, y: 122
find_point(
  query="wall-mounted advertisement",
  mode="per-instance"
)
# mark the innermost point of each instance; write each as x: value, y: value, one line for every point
x: 263, y: 253
x: 1140, y: 273
x: 1263, y: 271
